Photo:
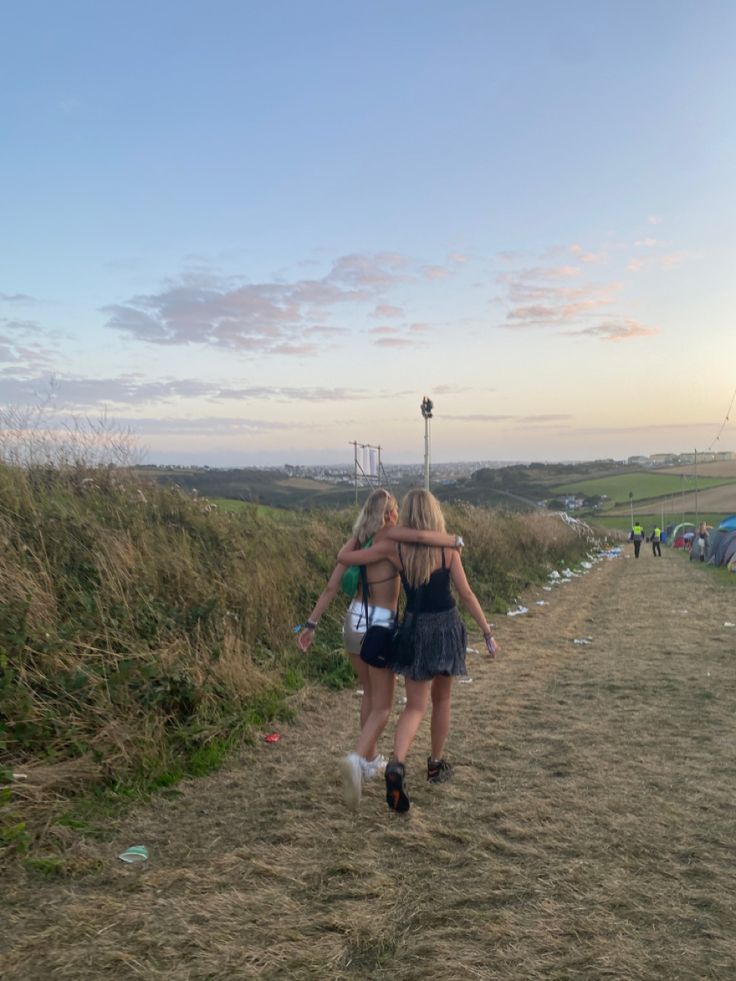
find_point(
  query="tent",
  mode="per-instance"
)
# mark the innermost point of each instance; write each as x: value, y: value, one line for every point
x: 677, y: 535
x: 725, y: 549
x: 728, y: 524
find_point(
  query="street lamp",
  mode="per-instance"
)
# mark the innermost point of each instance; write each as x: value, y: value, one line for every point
x: 427, y: 406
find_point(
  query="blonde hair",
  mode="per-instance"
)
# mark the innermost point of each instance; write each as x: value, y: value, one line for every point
x: 420, y: 510
x: 373, y: 514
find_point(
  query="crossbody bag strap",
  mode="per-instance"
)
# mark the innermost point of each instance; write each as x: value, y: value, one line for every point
x: 364, y: 591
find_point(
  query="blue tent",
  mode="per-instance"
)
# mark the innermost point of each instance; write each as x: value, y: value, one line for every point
x: 728, y: 524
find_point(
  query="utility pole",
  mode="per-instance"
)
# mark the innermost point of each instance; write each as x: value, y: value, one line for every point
x: 696, y: 487
x: 427, y: 406
x: 631, y: 507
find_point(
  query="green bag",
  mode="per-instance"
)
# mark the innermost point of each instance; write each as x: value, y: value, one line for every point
x: 351, y: 576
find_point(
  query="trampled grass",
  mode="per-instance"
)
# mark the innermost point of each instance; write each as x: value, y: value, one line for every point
x: 587, y: 832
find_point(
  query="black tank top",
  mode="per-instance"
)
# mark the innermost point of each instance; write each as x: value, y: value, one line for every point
x: 435, y: 597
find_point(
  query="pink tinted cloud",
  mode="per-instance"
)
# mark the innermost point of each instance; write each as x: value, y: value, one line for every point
x: 395, y: 342
x: 383, y: 330
x: 582, y: 255
x: 619, y: 330
x: 384, y: 310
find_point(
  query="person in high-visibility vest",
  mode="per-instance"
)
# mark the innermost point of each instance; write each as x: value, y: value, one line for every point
x: 637, y: 537
x: 655, y: 540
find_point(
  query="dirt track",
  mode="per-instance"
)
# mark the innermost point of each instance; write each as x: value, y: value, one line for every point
x: 589, y: 831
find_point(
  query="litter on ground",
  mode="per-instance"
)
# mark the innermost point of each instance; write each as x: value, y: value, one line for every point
x: 518, y: 612
x: 583, y: 640
x: 272, y: 737
x: 136, y: 853
x: 465, y: 681
x: 542, y: 603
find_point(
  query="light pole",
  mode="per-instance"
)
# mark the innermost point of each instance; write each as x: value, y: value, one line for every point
x: 631, y: 507
x: 427, y: 406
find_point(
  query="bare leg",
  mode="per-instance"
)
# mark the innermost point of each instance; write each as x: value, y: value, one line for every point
x: 382, y: 700
x: 440, y: 726
x: 366, y: 703
x: 417, y: 700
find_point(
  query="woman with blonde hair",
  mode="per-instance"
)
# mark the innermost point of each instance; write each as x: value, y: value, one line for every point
x: 368, y: 624
x: 439, y: 639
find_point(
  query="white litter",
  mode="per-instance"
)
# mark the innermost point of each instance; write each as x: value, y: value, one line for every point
x: 542, y: 603
x: 547, y: 589
x: 518, y: 613
x: 472, y: 650
x: 359, y: 691
x: 136, y: 853
x: 465, y: 681
x: 586, y: 565
x: 729, y: 624
x: 554, y: 574
x: 583, y: 640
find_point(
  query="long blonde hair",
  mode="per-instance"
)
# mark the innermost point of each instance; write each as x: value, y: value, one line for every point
x: 372, y: 516
x: 420, y: 510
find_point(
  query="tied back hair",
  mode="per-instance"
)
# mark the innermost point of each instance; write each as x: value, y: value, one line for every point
x: 372, y: 516
x: 420, y: 510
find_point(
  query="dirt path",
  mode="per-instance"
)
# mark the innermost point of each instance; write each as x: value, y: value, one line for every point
x: 589, y: 831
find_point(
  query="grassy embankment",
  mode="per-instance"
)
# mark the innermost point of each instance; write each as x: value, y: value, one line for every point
x: 144, y: 634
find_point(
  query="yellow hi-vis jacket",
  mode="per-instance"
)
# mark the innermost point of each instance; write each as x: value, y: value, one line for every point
x: 638, y: 532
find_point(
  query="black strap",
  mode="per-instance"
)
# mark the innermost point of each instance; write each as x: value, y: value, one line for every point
x: 364, y: 590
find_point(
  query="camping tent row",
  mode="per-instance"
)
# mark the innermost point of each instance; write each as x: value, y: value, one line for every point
x: 720, y: 548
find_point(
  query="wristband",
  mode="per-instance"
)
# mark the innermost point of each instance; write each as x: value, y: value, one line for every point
x: 310, y: 625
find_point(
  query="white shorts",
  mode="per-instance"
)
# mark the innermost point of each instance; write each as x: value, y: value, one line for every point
x: 354, y: 626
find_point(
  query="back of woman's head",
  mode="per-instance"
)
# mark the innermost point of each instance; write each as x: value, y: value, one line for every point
x: 420, y: 510
x: 373, y: 514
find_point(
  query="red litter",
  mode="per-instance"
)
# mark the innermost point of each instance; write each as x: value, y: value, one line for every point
x: 272, y: 737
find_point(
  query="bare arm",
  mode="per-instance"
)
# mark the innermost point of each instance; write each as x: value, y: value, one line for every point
x: 328, y: 594
x: 351, y: 554
x: 470, y: 601
x: 438, y: 539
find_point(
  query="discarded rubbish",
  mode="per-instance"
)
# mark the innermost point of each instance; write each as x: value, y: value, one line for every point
x: 359, y: 691
x: 297, y: 628
x: 547, y: 589
x: 472, y: 650
x: 518, y: 612
x: 554, y: 574
x: 24, y: 776
x: 136, y: 853
x: 583, y: 640
x: 465, y: 681
x: 586, y: 565
x: 726, y: 624
x: 272, y: 737
x: 542, y: 603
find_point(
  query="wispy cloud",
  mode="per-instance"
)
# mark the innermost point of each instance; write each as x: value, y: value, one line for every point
x: 385, y: 310
x: 84, y: 394
x: 583, y: 255
x: 654, y: 220
x: 395, y: 342
x: 618, y: 330
x: 270, y: 317
x: 17, y: 298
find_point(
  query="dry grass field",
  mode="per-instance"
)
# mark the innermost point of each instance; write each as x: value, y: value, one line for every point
x: 710, y: 500
x: 588, y: 833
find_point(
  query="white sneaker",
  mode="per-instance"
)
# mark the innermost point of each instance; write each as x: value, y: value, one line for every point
x: 375, y: 767
x: 351, y: 773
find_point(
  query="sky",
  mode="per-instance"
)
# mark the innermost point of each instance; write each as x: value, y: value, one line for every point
x: 252, y: 233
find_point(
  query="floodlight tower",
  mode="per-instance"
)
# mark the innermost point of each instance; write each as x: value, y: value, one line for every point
x: 427, y: 406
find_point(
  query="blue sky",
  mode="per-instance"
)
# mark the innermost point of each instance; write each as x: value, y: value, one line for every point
x: 253, y: 233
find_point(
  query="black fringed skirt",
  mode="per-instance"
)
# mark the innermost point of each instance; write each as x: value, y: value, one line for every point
x: 440, y: 641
